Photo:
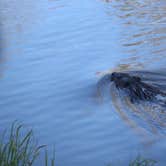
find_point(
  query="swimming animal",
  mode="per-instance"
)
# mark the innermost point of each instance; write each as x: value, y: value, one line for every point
x: 136, y: 88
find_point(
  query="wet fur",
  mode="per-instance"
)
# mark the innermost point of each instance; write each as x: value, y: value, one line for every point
x: 137, y: 89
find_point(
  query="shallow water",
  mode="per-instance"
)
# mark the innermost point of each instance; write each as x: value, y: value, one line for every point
x: 50, y: 52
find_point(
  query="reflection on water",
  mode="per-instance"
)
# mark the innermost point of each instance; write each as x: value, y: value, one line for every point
x: 144, y: 29
x: 17, y: 16
x: 144, y: 33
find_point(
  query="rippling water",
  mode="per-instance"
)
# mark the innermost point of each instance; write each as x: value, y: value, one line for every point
x: 49, y: 54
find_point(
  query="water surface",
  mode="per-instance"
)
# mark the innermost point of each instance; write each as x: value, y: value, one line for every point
x: 50, y: 52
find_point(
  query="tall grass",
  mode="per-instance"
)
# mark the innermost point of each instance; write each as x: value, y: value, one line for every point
x: 19, y: 148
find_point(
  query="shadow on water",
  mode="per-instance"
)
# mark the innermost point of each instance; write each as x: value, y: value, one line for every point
x: 146, y: 118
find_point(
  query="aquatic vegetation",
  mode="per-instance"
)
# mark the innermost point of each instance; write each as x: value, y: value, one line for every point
x: 140, y: 161
x: 20, y: 148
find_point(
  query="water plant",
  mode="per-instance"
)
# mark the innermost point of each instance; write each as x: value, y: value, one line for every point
x: 140, y: 161
x: 19, y: 148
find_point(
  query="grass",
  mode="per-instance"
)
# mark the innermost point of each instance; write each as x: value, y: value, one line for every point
x: 140, y: 161
x: 20, y: 149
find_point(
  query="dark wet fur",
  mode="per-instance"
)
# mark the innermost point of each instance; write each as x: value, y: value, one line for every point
x: 137, y: 89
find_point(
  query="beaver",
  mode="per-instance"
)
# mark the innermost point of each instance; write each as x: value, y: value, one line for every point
x: 136, y: 88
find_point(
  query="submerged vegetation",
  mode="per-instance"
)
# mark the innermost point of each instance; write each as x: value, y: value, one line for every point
x: 19, y: 148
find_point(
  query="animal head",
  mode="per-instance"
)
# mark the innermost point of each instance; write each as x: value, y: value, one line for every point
x: 124, y: 80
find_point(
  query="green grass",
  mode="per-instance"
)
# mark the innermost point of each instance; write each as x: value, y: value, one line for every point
x: 20, y: 149
x: 140, y: 161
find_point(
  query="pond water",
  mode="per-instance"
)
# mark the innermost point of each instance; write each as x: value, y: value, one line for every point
x: 50, y: 52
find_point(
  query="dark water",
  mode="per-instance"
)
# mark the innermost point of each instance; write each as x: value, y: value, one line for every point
x: 50, y: 52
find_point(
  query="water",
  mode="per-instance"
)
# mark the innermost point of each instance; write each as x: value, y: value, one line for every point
x: 50, y: 52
